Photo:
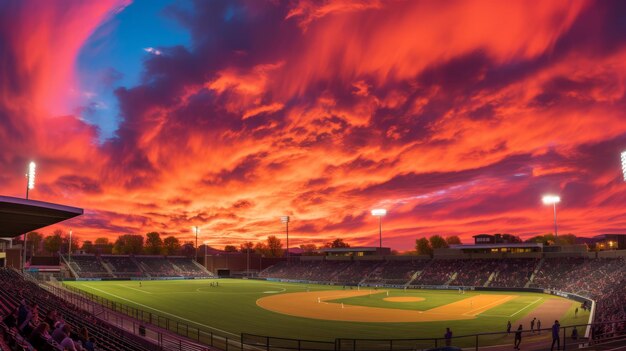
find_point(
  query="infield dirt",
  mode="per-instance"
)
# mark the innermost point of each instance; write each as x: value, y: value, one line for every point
x: 316, y: 305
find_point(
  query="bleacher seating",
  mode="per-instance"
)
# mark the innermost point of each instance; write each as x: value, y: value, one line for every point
x: 88, y: 266
x: 122, y: 266
x: 16, y: 292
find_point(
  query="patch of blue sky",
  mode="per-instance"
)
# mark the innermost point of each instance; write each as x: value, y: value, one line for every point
x: 113, y: 57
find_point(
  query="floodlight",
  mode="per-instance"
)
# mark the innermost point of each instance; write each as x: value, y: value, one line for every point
x: 31, y: 175
x: 379, y: 212
x: 551, y: 199
x: 624, y: 164
x: 284, y: 219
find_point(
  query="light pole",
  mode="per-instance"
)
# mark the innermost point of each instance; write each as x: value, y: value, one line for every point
x: 195, y: 227
x: 30, y: 185
x: 30, y: 177
x: 285, y: 219
x: 623, y: 166
x: 205, y: 253
x: 552, y: 200
x: 379, y: 212
x: 69, y: 249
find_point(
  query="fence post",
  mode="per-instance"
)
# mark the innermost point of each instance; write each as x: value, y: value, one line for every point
x: 267, y: 343
x: 241, y: 340
x: 476, y: 342
x: 564, y: 337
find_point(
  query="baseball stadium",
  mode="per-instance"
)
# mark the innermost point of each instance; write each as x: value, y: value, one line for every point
x: 478, y: 295
x: 312, y: 175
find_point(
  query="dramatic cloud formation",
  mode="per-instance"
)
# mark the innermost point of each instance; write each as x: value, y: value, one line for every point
x: 455, y: 116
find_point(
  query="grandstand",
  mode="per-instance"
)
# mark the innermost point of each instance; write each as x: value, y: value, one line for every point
x: 123, y: 266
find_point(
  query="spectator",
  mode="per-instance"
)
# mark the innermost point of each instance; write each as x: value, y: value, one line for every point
x: 556, y: 327
x: 539, y: 326
x: 61, y: 332
x: 518, y: 337
x: 68, y: 344
x: 448, y: 337
x: 90, y: 345
x: 38, y: 337
x: 508, y: 327
x: 575, y: 334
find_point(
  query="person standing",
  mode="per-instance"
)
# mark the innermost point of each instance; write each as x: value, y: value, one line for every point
x: 508, y: 327
x: 556, y: 328
x: 448, y: 337
x: 518, y: 337
x: 532, y: 325
x: 539, y: 326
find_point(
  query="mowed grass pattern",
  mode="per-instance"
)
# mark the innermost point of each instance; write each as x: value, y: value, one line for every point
x: 231, y: 308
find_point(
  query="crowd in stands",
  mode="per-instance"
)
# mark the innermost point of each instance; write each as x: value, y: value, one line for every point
x: 514, y: 272
x: 355, y: 272
x: 476, y: 272
x: 91, y: 266
x: 439, y: 272
x: 156, y: 266
x: 123, y: 266
x: 305, y: 270
x: 600, y: 279
x: 88, y: 266
x: 395, y: 271
x: 34, y: 319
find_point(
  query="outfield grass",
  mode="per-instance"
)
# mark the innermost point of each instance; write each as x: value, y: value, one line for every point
x: 231, y: 309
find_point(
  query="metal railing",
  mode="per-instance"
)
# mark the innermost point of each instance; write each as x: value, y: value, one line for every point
x: 537, y: 339
x: 168, y: 334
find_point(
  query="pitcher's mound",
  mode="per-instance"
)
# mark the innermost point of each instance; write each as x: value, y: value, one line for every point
x: 404, y: 299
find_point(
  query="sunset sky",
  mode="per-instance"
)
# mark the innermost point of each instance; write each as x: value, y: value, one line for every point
x: 455, y: 116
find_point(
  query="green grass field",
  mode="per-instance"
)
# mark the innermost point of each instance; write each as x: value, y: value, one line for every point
x: 231, y: 308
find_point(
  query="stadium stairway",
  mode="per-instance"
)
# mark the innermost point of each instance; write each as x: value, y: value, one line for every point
x: 413, y: 278
x: 492, y: 276
x: 67, y: 264
x: 532, y: 276
x: 452, y: 278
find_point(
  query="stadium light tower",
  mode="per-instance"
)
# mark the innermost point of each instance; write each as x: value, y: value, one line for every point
x: 380, y: 213
x: 624, y: 164
x: 552, y: 200
x: 30, y: 185
x: 285, y: 219
x: 30, y: 177
x: 196, y: 229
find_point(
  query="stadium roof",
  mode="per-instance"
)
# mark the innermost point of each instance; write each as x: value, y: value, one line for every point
x: 19, y: 216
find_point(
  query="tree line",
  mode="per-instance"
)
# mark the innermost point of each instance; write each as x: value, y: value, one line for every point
x: 153, y: 244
